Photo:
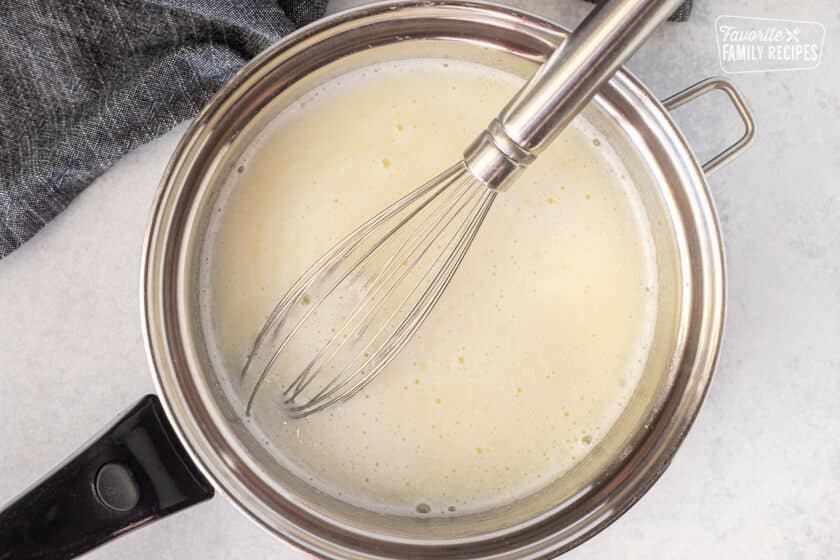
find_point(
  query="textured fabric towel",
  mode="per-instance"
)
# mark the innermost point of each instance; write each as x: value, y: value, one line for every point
x: 683, y: 11
x: 82, y: 82
x: 681, y: 14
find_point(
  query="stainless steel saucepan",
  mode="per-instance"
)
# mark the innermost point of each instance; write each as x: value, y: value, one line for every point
x: 175, y: 449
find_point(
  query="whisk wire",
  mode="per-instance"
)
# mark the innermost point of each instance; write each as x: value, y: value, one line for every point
x: 476, y: 195
x: 394, y: 344
x: 373, y: 291
x: 325, y: 267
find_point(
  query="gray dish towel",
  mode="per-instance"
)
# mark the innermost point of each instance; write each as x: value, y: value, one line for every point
x: 681, y: 14
x: 82, y: 82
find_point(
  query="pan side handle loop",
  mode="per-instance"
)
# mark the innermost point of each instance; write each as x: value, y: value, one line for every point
x: 718, y: 84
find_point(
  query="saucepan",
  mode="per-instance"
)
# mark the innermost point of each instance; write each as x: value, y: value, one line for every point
x: 180, y: 446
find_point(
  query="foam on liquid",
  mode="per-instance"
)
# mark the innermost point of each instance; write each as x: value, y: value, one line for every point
x: 534, y: 349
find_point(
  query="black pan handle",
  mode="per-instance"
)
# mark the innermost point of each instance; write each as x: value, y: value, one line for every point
x: 134, y: 473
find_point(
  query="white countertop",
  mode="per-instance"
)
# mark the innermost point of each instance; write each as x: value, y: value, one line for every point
x: 757, y: 476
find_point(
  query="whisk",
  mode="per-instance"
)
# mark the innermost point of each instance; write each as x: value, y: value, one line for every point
x: 353, y: 310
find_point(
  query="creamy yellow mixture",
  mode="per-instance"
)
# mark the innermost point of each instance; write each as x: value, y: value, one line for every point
x: 532, y: 352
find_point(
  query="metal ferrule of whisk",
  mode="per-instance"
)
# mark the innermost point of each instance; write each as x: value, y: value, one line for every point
x: 562, y: 86
x: 354, y: 310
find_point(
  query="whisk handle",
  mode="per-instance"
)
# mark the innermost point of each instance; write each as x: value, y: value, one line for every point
x: 564, y: 84
x: 579, y: 67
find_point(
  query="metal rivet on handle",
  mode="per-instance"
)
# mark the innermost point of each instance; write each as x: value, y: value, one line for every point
x: 116, y: 488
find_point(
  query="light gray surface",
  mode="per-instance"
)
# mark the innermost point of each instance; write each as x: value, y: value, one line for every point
x: 757, y: 477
